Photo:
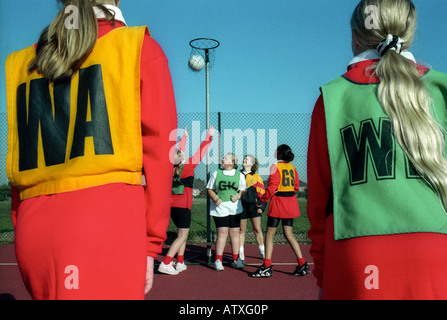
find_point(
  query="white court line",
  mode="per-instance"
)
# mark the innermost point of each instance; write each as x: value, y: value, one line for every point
x: 277, y: 264
x: 8, y: 264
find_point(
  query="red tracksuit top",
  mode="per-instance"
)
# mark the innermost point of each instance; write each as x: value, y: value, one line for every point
x: 187, y: 176
x: 404, y: 261
x: 280, y: 207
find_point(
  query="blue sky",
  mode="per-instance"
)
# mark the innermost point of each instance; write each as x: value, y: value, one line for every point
x: 274, y: 55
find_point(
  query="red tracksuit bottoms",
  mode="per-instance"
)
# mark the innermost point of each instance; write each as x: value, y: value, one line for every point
x: 71, y: 245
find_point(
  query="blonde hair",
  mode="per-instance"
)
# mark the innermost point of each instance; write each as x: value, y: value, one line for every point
x: 401, y: 92
x: 61, y: 51
x: 234, y: 159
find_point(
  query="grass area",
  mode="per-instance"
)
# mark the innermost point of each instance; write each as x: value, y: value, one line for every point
x: 6, y: 228
x: 5, y: 216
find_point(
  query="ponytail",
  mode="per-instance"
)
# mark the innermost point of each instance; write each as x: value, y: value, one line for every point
x: 401, y: 92
x: 177, y: 163
x: 176, y: 171
x: 284, y: 152
x: 405, y: 100
x: 61, y: 50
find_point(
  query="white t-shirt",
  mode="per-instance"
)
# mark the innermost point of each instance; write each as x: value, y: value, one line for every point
x: 226, y: 208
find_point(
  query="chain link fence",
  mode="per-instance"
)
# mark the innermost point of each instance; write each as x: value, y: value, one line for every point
x: 239, y: 133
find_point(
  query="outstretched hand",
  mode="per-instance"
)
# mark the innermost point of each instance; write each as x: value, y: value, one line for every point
x: 211, y: 130
x: 186, y: 132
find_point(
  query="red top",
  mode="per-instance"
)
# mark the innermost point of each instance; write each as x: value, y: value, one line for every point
x: 319, y: 204
x: 158, y: 119
x: 341, y: 266
x: 280, y: 207
x: 187, y: 176
x: 319, y: 201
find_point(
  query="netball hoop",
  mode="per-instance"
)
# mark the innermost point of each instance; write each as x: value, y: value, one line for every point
x: 203, y: 55
x: 204, y: 48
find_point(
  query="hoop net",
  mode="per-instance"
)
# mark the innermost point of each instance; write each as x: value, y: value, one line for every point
x: 202, y: 46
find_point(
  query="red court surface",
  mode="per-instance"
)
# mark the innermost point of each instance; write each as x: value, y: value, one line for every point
x: 200, y: 281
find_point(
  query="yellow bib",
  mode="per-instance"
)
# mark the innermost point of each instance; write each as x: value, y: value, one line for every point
x: 287, y: 174
x: 256, y: 181
x: 82, y: 132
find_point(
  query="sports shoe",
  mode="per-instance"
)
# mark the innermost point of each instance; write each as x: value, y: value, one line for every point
x: 238, y: 264
x: 302, y: 270
x: 263, y: 272
x: 218, y: 265
x: 180, y: 267
x: 167, y: 268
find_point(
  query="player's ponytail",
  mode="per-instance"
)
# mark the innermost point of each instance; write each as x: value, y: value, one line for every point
x: 62, y: 48
x: 284, y: 153
x: 401, y: 92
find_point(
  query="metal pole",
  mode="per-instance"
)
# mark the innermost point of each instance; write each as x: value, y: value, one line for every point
x: 207, y: 61
x: 208, y: 202
x: 219, y: 129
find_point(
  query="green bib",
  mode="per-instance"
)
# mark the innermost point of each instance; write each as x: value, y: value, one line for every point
x: 226, y: 186
x: 376, y: 190
x: 177, y: 186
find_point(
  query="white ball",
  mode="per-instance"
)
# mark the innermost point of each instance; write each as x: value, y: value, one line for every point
x: 196, y: 62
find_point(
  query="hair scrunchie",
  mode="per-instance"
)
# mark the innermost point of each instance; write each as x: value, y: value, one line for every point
x: 391, y: 42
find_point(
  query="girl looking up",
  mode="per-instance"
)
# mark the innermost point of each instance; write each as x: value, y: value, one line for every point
x: 182, y: 187
x: 255, y: 189
x: 283, y: 207
x: 226, y: 187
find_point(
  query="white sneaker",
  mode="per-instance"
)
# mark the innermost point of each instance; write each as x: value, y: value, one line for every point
x: 241, y: 253
x: 167, y: 268
x: 238, y: 264
x: 180, y: 267
x: 218, y: 265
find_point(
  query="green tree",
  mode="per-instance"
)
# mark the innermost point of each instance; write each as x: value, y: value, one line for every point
x: 5, y: 192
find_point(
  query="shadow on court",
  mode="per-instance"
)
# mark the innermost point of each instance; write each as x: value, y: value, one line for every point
x: 200, y: 281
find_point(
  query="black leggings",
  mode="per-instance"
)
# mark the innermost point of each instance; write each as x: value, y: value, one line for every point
x: 274, y: 222
x: 181, y: 217
x: 230, y: 221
